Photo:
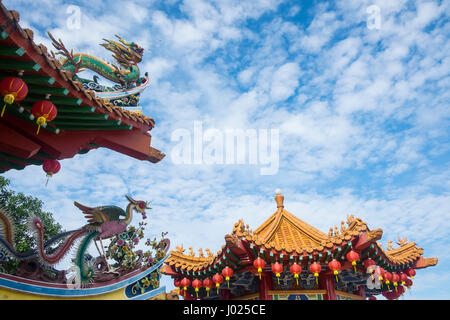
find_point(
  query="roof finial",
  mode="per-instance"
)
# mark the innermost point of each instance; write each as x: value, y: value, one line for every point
x: 279, y: 198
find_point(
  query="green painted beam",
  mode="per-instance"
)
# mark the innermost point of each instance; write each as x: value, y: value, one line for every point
x: 66, y: 109
x: 19, y: 65
x: 23, y: 160
x: 261, y: 251
x: 86, y: 123
x: 48, y: 90
x: 26, y: 117
x: 11, y: 165
x: 37, y: 79
x: 337, y: 253
x: 88, y: 116
x: 328, y: 257
x: 30, y: 78
x: 255, y: 254
x: 230, y: 253
x: 272, y: 259
x: 12, y: 51
x: 66, y: 101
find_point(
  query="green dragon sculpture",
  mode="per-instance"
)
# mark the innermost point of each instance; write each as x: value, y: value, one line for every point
x: 127, y: 55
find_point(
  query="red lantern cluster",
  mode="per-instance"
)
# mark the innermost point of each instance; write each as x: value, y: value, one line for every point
x: 295, y: 269
x: 315, y: 269
x: 395, y: 280
x: 44, y: 111
x: 259, y: 264
x: 13, y: 90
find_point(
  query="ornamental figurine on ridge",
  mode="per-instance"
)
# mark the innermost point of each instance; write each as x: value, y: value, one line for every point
x: 129, y: 83
x: 104, y: 222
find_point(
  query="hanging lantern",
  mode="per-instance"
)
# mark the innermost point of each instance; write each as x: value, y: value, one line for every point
x: 44, y: 111
x: 13, y: 90
x: 408, y: 283
x: 401, y: 290
x: 395, y: 280
x: 295, y: 269
x: 259, y: 264
x: 177, y: 284
x: 51, y: 167
x: 387, y: 278
x: 335, y: 266
x: 218, y: 279
x: 197, y: 284
x: 403, y: 278
x: 277, y: 268
x: 208, y: 284
x: 227, y: 272
x: 381, y: 273
x: 410, y: 272
x: 315, y: 269
x: 185, y: 283
x: 352, y: 257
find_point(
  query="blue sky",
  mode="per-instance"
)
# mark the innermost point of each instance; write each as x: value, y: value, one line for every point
x: 363, y: 116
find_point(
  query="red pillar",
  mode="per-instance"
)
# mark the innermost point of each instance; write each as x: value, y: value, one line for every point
x: 265, y: 284
x: 362, y: 291
x: 326, y: 281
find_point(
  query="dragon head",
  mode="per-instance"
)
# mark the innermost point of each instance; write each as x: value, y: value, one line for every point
x: 139, y: 206
x: 126, y: 53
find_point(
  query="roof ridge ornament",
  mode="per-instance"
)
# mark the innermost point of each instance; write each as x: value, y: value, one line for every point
x: 279, y: 198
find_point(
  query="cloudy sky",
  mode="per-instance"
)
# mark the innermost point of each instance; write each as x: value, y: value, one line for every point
x: 358, y: 91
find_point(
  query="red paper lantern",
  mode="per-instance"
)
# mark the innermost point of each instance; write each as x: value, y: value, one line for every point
x: 395, y: 280
x: 185, y: 284
x: 381, y: 271
x: 410, y: 272
x: 315, y: 269
x: 387, y: 276
x: 218, y: 279
x: 259, y: 264
x: 227, y: 272
x: 368, y: 263
x: 295, y: 269
x: 403, y: 278
x: 44, y: 111
x: 197, y: 284
x: 335, y: 266
x: 13, y: 90
x: 352, y: 257
x: 277, y: 268
x: 401, y: 290
x: 208, y: 284
x: 177, y: 284
x: 408, y: 283
x: 51, y: 167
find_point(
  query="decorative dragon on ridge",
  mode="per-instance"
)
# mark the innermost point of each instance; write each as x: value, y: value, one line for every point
x: 126, y: 73
x: 103, y: 223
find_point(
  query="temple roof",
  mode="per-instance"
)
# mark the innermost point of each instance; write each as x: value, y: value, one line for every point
x: 283, y: 234
x: 84, y: 121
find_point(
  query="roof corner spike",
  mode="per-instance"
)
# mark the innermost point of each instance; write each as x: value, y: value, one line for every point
x: 279, y: 198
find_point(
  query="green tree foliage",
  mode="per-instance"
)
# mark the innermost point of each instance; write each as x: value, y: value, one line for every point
x: 20, y: 208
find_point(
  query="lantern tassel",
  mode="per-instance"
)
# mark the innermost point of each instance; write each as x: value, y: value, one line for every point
x: 3, y: 110
x: 317, y: 281
x: 337, y: 280
x: 39, y: 127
